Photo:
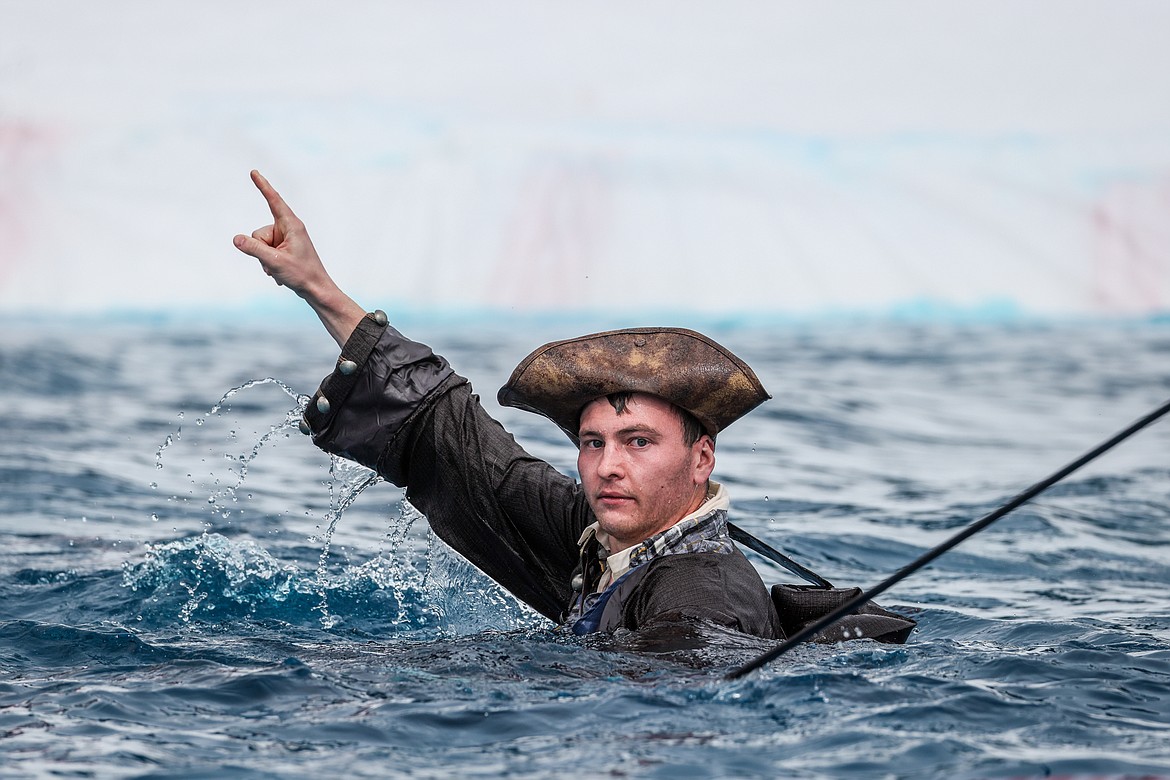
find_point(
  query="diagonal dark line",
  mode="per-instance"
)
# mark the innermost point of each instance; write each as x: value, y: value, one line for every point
x: 775, y: 556
x: 954, y: 541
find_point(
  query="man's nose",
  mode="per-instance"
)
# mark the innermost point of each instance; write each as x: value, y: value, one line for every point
x: 610, y: 464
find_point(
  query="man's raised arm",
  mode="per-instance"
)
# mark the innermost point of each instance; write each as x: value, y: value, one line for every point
x: 287, y: 254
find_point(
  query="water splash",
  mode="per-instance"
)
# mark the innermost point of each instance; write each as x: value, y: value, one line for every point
x: 171, y: 439
x: 211, y: 574
x: 291, y: 420
x: 201, y: 567
x: 211, y: 578
x: 222, y: 496
x: 212, y: 571
x: 353, y: 480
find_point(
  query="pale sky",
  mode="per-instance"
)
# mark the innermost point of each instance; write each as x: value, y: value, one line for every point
x: 784, y: 157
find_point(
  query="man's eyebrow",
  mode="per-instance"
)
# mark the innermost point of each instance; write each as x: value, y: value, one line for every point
x: 636, y: 428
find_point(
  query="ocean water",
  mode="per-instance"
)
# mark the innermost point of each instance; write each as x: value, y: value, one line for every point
x: 189, y: 589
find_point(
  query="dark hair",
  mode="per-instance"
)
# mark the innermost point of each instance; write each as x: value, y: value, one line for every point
x: 692, y: 429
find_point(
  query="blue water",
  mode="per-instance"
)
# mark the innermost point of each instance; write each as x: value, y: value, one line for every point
x: 180, y: 595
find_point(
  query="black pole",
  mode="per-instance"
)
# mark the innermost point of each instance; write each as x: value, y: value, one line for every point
x: 954, y: 541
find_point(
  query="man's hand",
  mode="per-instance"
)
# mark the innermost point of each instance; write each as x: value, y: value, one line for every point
x: 287, y: 255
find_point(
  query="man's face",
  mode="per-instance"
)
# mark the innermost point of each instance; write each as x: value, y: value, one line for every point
x: 639, y: 475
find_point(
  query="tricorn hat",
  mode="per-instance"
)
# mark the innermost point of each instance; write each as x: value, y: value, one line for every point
x: 680, y: 366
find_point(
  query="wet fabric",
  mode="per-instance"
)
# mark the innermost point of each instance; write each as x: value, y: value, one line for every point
x: 720, y: 588
x: 803, y: 605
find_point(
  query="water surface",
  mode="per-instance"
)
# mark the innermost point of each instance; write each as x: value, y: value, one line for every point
x: 181, y: 597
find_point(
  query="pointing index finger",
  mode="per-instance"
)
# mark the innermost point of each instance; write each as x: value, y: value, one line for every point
x: 280, y: 209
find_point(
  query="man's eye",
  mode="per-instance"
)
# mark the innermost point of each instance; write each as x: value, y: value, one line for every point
x: 591, y: 444
x: 641, y: 442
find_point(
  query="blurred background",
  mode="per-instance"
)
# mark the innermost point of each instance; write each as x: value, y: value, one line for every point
x: 772, y: 159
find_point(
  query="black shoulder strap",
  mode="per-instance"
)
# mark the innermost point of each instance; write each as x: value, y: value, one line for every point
x: 774, y: 555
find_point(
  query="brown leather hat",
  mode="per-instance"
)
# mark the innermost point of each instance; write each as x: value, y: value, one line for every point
x: 681, y: 366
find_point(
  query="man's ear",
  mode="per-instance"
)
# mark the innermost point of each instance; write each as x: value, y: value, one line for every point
x: 704, y: 450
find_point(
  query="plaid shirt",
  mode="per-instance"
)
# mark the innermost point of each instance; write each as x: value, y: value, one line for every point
x: 698, y: 534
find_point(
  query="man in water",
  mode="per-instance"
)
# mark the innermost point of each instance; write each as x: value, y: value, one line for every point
x: 641, y: 543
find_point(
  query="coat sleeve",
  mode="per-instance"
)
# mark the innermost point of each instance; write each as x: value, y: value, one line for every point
x: 405, y: 413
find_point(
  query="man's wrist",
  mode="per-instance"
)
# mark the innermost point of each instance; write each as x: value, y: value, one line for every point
x: 339, y: 313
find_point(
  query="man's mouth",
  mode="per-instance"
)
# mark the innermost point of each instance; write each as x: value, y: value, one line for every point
x: 613, y: 498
